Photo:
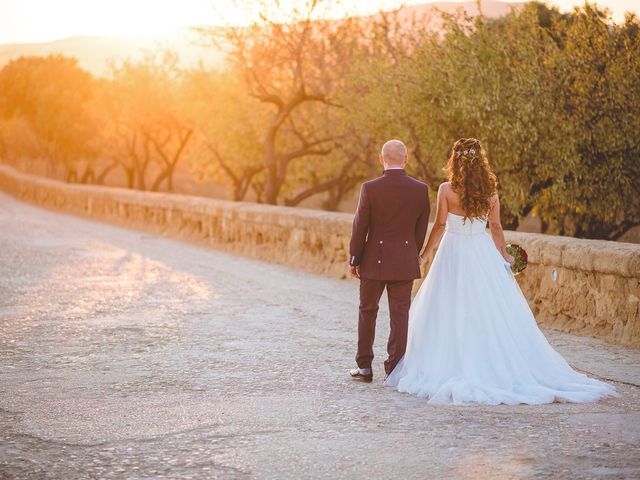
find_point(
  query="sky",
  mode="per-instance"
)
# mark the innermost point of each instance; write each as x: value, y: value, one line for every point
x: 25, y: 21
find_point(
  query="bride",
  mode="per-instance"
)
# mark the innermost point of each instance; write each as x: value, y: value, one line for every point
x: 472, y: 336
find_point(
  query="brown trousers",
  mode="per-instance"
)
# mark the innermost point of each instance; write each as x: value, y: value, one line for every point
x: 399, y: 296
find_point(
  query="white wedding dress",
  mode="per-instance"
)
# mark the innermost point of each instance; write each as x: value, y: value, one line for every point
x: 473, y: 338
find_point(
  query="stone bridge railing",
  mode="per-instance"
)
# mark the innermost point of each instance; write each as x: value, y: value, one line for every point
x: 586, y: 287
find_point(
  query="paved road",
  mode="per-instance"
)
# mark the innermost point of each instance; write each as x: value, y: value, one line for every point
x: 125, y: 355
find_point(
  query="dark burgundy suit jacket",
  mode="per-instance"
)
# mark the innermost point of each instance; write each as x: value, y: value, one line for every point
x: 389, y: 227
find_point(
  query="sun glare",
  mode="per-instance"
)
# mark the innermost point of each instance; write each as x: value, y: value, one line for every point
x: 44, y: 20
x: 32, y: 20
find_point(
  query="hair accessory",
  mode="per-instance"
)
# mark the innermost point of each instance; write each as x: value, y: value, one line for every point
x: 471, y: 151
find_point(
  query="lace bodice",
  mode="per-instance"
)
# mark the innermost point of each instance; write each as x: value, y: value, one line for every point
x: 458, y: 225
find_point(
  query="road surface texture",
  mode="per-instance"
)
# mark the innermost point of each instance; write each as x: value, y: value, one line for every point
x: 125, y: 355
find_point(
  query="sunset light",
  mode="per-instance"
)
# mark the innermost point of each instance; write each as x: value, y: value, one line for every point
x: 202, y: 203
x: 41, y: 20
x: 31, y: 20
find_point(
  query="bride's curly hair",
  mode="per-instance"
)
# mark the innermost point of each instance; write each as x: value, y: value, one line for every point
x: 471, y: 177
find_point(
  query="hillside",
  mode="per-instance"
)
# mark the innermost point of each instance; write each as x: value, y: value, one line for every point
x: 95, y: 52
x: 490, y: 8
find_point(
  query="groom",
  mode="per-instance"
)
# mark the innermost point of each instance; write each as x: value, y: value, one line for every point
x: 389, y: 228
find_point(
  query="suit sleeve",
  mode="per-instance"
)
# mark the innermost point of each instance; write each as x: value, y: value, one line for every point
x: 423, y: 223
x: 360, y: 229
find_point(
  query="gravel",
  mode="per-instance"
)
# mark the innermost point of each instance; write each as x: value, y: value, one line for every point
x: 125, y: 355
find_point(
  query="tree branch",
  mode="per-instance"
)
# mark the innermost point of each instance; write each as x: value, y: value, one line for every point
x: 322, y: 187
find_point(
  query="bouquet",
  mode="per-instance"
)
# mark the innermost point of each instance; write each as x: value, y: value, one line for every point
x: 520, y: 255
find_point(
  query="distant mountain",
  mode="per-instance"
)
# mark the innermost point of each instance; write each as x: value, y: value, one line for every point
x: 95, y: 52
x: 490, y: 8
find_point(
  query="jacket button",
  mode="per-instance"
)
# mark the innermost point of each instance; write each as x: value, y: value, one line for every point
x: 380, y: 242
x: 379, y: 261
x: 407, y: 242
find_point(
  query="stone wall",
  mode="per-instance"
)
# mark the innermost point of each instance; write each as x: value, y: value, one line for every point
x: 585, y: 287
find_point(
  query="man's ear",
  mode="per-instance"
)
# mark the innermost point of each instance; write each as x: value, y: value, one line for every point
x: 381, y: 160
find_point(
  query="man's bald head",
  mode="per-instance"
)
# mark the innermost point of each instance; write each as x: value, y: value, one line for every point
x: 394, y: 154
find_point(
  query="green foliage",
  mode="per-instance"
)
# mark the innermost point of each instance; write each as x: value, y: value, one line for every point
x: 554, y: 99
x: 228, y: 144
x: 301, y: 109
x: 51, y: 95
x: 599, y: 67
x: 295, y: 70
x: 148, y: 126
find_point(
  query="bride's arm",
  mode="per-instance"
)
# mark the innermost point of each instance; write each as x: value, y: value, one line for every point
x: 495, y: 226
x: 438, y: 227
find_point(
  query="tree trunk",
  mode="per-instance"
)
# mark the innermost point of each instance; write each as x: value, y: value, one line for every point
x: 323, y: 187
x: 105, y: 172
x: 140, y: 176
x: 544, y: 225
x: 88, y: 176
x: 141, y: 166
x: 71, y: 176
x: 272, y: 188
x: 130, y: 173
x: 162, y: 176
x: 170, y: 179
x: 242, y: 185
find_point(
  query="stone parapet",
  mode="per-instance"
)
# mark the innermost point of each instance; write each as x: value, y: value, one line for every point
x: 585, y: 287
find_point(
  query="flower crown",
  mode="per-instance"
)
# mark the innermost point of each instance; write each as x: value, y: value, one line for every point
x: 466, y: 152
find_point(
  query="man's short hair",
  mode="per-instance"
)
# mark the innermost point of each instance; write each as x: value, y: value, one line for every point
x: 394, y: 152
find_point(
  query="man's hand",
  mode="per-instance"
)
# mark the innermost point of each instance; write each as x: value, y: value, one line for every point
x: 354, y: 271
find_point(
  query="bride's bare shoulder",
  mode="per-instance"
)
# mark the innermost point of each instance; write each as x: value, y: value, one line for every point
x: 445, y: 187
x: 447, y: 191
